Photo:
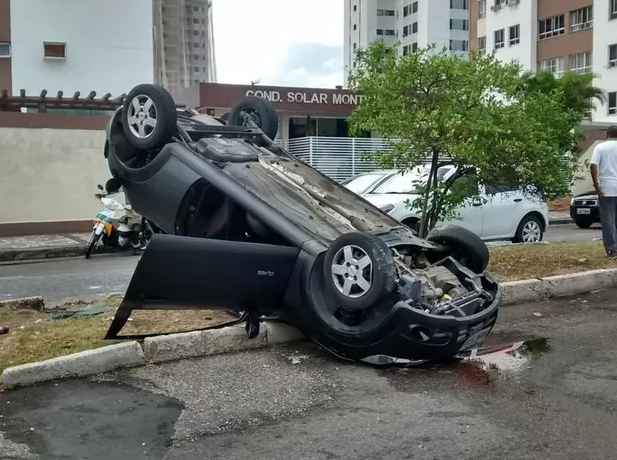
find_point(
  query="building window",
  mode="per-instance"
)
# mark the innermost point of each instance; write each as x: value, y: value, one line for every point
x: 405, y: 14
x: 554, y: 66
x: 459, y: 4
x: 54, y: 50
x: 414, y: 47
x: 612, y: 103
x: 414, y: 7
x: 195, y: 8
x: 515, y: 34
x: 355, y: 26
x: 500, y: 40
x: 482, y: 43
x: 552, y: 27
x: 612, y: 9
x: 459, y: 24
x: 482, y: 9
x: 195, y: 69
x: 390, y: 32
x: 406, y: 49
x: 355, y: 7
x: 612, y: 55
x: 581, y: 19
x: 196, y: 33
x: 379, y: 31
x: 195, y: 20
x: 414, y: 28
x: 405, y: 31
x: 5, y: 50
x: 385, y: 12
x: 355, y: 45
x: 459, y: 45
x: 580, y: 63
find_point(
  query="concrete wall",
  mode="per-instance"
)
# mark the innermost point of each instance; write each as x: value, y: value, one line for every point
x: 109, y: 45
x: 50, y: 174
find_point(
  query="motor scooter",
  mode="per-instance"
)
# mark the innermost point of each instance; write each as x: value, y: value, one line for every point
x: 133, y: 231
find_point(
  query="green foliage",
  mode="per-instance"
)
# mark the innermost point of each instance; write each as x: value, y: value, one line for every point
x: 478, y: 113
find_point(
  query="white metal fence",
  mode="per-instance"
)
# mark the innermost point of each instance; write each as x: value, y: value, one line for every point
x: 338, y: 157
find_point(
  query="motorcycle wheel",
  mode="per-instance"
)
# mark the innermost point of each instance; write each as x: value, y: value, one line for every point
x: 94, y: 239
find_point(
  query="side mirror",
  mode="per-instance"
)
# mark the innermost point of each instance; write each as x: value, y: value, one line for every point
x: 99, y: 186
x: 113, y: 185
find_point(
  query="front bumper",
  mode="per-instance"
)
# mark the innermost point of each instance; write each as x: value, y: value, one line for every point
x: 578, y: 212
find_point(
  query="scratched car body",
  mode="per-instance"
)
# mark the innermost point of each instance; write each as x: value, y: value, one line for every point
x: 246, y: 226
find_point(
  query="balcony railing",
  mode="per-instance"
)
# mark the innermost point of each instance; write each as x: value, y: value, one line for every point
x: 338, y: 157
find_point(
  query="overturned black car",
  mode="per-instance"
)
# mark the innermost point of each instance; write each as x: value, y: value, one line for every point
x: 246, y: 226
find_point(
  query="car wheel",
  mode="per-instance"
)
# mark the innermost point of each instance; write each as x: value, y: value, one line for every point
x: 465, y: 246
x: 583, y: 223
x: 262, y: 113
x: 359, y: 270
x: 149, y: 116
x: 529, y: 230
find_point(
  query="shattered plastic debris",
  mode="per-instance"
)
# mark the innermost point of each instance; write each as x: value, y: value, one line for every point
x: 509, y: 357
x: 297, y: 359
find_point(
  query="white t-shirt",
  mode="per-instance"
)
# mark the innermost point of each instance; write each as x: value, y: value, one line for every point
x: 605, y: 157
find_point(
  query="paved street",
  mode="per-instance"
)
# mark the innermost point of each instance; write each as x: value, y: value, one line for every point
x: 80, y: 278
x: 559, y: 404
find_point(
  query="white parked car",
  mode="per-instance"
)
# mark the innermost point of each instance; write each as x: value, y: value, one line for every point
x: 366, y: 182
x: 503, y: 213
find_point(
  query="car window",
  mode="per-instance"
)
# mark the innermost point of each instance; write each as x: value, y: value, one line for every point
x: 361, y: 183
x: 406, y: 182
x: 492, y: 190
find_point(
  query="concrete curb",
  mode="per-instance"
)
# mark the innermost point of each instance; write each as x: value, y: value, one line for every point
x: 560, y: 221
x: 515, y: 292
x: 233, y: 339
x: 52, y: 252
x: 89, y: 362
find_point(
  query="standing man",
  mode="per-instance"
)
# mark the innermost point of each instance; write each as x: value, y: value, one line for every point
x: 604, y: 177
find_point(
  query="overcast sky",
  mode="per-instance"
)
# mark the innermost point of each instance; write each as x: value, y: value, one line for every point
x: 279, y: 42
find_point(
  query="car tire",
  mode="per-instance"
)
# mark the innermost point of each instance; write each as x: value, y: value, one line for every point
x: 343, y: 261
x: 466, y: 247
x: 160, y: 110
x: 263, y: 113
x: 583, y: 223
x: 529, y: 230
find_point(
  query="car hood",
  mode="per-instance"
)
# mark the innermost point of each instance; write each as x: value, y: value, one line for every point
x: 586, y: 196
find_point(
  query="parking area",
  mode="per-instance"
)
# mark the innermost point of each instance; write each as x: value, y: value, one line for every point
x: 296, y: 402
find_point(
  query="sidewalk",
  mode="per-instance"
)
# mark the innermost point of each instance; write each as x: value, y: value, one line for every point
x: 74, y: 244
x: 43, y: 246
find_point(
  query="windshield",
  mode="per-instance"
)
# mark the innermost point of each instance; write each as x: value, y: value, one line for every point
x: 363, y: 182
x: 407, y: 182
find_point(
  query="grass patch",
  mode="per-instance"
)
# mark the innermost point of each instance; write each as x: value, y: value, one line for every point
x: 35, y: 336
x: 519, y: 262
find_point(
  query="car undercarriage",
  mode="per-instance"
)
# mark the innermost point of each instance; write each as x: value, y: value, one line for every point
x: 246, y: 226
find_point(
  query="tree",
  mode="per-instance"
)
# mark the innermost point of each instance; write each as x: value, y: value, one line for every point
x: 578, y: 89
x: 472, y: 112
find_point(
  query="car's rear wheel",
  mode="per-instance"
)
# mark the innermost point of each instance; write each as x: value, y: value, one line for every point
x: 260, y: 111
x: 529, y: 230
x: 464, y: 246
x: 149, y: 116
x: 583, y: 223
x: 359, y: 270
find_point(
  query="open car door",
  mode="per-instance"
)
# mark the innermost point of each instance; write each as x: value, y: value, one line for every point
x: 180, y: 272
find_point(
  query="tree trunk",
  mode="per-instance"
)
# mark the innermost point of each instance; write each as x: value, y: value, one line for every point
x: 425, y: 220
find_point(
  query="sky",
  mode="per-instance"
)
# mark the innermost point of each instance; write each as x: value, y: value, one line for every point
x: 279, y: 42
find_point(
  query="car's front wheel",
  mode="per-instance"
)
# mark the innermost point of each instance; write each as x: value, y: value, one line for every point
x: 529, y: 230
x: 583, y: 223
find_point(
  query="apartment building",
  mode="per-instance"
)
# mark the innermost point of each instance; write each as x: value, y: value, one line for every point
x: 554, y: 35
x: 183, y: 43
x: 413, y: 23
x: 74, y: 45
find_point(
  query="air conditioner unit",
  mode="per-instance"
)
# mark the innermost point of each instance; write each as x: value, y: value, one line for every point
x: 495, y: 7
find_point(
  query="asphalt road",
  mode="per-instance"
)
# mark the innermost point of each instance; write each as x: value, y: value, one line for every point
x: 62, y: 279
x: 557, y: 403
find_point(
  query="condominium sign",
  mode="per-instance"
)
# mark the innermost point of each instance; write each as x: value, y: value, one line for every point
x: 306, y: 97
